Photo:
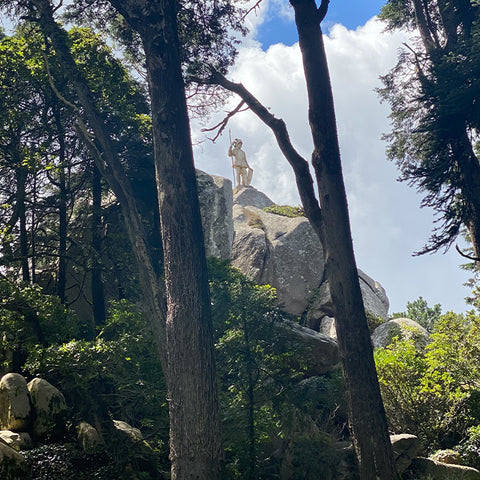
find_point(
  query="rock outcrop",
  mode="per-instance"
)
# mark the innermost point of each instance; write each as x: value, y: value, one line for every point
x: 321, y: 351
x: 279, y: 251
x: 286, y: 253
x: 49, y: 405
x: 427, y: 468
x: 13, y: 466
x: 134, y: 434
x: 88, y: 437
x: 16, y: 440
x: 405, y: 448
x: 216, y: 200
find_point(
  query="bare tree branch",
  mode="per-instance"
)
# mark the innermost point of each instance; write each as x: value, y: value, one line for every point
x: 252, y: 9
x: 221, y: 126
x: 299, y: 165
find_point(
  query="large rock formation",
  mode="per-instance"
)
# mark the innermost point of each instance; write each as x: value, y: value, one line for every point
x: 286, y: 253
x: 215, y: 196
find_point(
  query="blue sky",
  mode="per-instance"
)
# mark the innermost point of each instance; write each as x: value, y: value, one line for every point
x: 278, y: 28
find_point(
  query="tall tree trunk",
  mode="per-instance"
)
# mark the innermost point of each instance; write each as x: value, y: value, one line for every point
x: 195, y: 444
x: 62, y: 209
x: 98, y: 292
x: 367, y: 417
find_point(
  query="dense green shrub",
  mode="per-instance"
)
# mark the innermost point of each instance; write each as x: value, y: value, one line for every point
x: 434, y: 394
x: 117, y: 375
x: 29, y: 318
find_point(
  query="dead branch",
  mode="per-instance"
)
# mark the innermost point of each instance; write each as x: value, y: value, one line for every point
x: 252, y: 9
x: 221, y: 125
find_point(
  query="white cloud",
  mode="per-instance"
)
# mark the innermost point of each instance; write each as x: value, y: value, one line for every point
x: 387, y: 223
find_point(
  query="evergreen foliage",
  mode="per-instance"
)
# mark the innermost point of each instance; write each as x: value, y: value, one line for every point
x: 420, y: 312
x: 433, y: 95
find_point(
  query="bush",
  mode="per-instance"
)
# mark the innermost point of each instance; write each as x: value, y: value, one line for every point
x: 117, y: 375
x: 434, y: 394
x: 28, y: 318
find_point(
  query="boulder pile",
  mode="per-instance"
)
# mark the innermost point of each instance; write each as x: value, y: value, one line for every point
x: 35, y: 413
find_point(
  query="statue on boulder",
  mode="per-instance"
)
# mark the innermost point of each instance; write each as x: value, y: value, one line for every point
x: 243, y: 171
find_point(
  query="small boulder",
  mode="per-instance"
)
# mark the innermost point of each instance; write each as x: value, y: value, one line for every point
x: 16, y: 440
x: 447, y: 456
x: 404, y: 329
x: 131, y: 432
x: 49, y: 406
x: 425, y: 467
x: 405, y: 449
x: 321, y: 351
x: 13, y: 466
x: 88, y: 437
x: 15, y: 410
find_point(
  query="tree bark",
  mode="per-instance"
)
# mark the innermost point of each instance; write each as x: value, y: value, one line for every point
x: 367, y: 416
x: 195, y: 441
x: 62, y: 208
x: 98, y: 293
x: 21, y: 179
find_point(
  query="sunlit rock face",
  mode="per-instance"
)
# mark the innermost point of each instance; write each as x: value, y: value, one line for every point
x: 274, y: 249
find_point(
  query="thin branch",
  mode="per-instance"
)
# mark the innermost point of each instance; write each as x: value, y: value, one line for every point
x: 257, y: 5
x: 55, y: 89
x: 322, y: 10
x: 465, y: 255
x: 221, y: 126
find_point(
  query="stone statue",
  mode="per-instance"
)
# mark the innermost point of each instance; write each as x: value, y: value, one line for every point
x: 243, y: 171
